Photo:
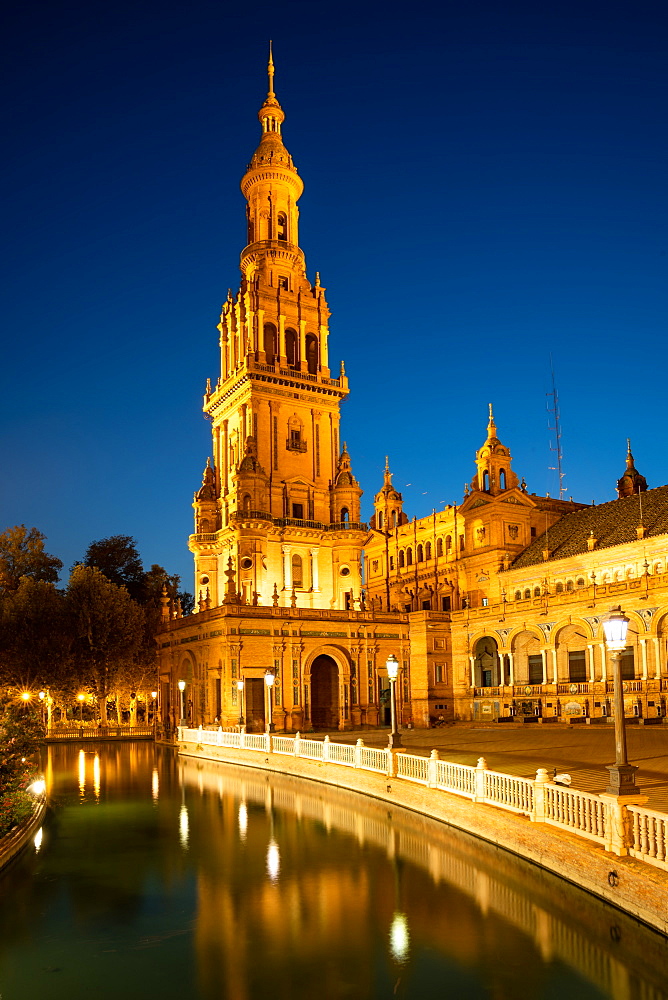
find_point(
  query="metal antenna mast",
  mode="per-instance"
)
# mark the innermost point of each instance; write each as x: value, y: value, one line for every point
x: 554, y: 410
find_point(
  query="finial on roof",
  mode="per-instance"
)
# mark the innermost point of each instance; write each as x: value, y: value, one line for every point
x: 270, y: 71
x: 631, y: 482
x: 491, y: 426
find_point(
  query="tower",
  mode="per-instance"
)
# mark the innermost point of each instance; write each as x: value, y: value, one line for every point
x: 494, y: 473
x: 280, y: 499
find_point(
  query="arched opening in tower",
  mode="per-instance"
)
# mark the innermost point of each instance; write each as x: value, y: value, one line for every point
x: 324, y: 693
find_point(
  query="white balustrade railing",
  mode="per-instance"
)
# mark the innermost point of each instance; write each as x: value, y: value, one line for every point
x: 413, y: 768
x: 578, y: 811
x: 602, y: 820
x: 649, y: 836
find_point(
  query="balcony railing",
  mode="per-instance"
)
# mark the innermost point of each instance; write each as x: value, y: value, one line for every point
x: 250, y: 515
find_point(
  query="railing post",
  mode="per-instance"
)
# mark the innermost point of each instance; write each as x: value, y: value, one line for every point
x: 297, y: 747
x: 269, y: 743
x: 539, y: 796
x: 358, y: 753
x: 325, y: 748
x: 480, y: 769
x: 432, y: 770
x: 390, y: 762
x: 619, y: 821
x: 242, y: 738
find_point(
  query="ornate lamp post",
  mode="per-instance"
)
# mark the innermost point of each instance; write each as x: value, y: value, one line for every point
x: 42, y: 696
x: 622, y: 774
x: 268, y: 685
x: 154, y: 695
x: 392, y: 666
x: 240, y: 689
x: 182, y: 686
x: 81, y: 699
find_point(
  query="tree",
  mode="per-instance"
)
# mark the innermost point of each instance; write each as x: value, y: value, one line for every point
x: 20, y: 738
x: 35, y: 638
x: 22, y: 554
x: 118, y: 559
x: 108, y: 632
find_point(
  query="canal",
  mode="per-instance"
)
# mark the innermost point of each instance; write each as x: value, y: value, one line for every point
x: 168, y: 878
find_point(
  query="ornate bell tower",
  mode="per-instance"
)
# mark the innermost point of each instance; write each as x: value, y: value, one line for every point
x: 287, y: 505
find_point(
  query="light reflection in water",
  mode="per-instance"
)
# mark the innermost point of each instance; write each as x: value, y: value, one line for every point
x: 273, y: 860
x: 243, y: 820
x: 96, y: 776
x: 82, y: 773
x: 184, y: 827
x: 399, y: 938
x: 39, y: 836
x: 155, y: 785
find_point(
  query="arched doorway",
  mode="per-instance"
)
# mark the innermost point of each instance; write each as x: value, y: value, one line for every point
x: 486, y: 662
x: 324, y: 693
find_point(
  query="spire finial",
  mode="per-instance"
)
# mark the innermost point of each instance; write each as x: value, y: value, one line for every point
x: 491, y: 426
x: 388, y: 474
x: 629, y: 456
x: 270, y: 71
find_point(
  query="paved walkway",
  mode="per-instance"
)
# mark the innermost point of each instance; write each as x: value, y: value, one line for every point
x: 581, y: 751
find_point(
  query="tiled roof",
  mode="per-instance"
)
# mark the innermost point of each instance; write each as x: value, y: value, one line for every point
x: 612, y: 523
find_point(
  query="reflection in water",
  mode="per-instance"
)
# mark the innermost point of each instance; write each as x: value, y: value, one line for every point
x: 240, y: 885
x: 39, y: 837
x: 399, y: 937
x: 82, y: 773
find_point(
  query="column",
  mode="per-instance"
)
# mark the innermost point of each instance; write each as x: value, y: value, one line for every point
x: 511, y: 669
x: 324, y: 357
x: 656, y: 646
x: 543, y: 654
x: 281, y: 339
x: 604, y: 662
x: 302, y: 345
x: 315, y: 580
x: 589, y: 653
x: 287, y: 567
x: 226, y: 451
x: 643, y: 657
x: 471, y: 671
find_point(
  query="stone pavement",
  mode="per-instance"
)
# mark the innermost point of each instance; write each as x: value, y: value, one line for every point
x: 581, y: 751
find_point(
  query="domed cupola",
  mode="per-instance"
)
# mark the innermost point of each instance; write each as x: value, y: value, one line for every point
x: 631, y: 482
x: 388, y: 505
x: 493, y: 461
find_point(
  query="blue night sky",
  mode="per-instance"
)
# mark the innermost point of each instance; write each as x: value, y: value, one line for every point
x: 485, y: 187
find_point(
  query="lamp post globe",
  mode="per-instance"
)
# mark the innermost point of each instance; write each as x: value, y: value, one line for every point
x: 182, y: 687
x: 269, y: 679
x: 392, y: 667
x: 622, y: 774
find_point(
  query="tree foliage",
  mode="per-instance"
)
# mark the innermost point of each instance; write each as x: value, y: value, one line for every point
x: 108, y: 632
x: 35, y: 637
x: 22, y: 554
x: 118, y: 559
x: 20, y: 737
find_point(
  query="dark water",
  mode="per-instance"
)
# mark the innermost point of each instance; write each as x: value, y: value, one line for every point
x: 159, y: 877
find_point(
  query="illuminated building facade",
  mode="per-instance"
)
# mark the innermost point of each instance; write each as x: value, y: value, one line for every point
x: 493, y: 607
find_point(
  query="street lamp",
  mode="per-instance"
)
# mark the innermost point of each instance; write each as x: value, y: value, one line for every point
x: 622, y: 774
x: 81, y: 699
x: 392, y: 666
x: 42, y: 696
x: 269, y: 679
x: 240, y: 689
x: 154, y: 695
x: 182, y: 686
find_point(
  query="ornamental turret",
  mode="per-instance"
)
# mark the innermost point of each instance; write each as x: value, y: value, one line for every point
x: 493, y: 460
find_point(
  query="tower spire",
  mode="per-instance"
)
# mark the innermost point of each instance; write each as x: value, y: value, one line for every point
x: 491, y: 426
x: 270, y: 73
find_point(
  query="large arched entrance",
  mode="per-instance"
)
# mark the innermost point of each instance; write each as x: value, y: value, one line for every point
x: 324, y: 693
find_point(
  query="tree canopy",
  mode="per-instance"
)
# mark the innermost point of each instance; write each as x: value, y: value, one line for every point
x: 22, y: 554
x: 118, y: 559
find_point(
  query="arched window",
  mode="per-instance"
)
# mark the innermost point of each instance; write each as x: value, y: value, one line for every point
x: 401, y: 559
x: 448, y: 544
x: 419, y: 555
x: 580, y: 582
x: 270, y: 347
x: 247, y: 503
x: 394, y: 518
x: 409, y: 557
x: 559, y: 589
x: 569, y: 585
x: 527, y: 593
x: 502, y: 479
x: 297, y: 572
x: 518, y: 595
x: 380, y: 520
x: 345, y: 515
x: 292, y: 348
x: 485, y: 481
x: 427, y: 551
x: 282, y: 226
x: 439, y: 546
x: 312, y: 354
x: 536, y: 591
